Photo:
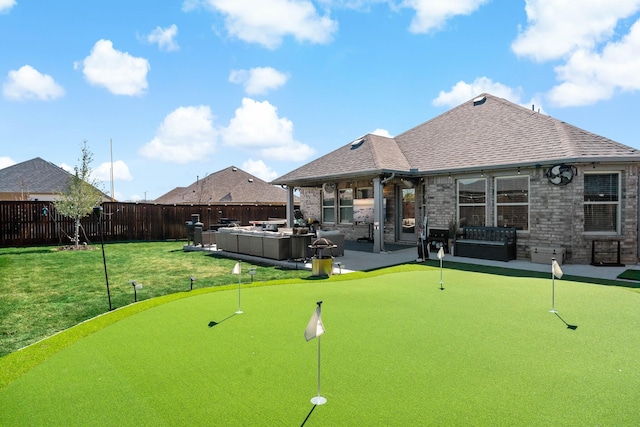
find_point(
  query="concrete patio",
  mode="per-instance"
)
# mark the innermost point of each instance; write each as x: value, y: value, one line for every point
x: 360, y: 260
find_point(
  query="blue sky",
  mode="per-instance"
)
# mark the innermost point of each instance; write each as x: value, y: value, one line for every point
x: 186, y: 88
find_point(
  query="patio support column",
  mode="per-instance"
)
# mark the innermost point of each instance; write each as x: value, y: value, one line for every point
x: 290, y: 206
x: 378, y: 215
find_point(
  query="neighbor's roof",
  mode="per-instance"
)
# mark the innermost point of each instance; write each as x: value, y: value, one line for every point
x: 486, y: 132
x: 230, y: 185
x: 34, y: 176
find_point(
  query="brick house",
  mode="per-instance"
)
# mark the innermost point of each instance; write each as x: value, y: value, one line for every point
x: 487, y: 162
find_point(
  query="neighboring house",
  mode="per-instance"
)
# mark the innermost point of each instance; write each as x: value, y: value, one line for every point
x: 487, y: 162
x: 229, y: 186
x: 34, y: 179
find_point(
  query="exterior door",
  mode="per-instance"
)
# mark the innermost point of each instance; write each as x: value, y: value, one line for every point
x: 406, y: 214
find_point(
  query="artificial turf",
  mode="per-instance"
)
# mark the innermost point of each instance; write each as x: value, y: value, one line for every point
x: 397, y: 351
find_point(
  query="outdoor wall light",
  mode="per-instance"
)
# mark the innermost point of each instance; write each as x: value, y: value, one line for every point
x: 136, y: 287
x: 193, y: 279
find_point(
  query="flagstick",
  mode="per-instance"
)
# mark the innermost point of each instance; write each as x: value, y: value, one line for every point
x: 239, y: 309
x: 238, y: 270
x: 441, y: 257
x: 319, y: 400
x: 441, y: 288
x: 553, y: 289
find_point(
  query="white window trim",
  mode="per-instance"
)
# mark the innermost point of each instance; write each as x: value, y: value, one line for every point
x: 458, y: 205
x: 617, y: 232
x: 340, y: 207
x: 323, y: 207
x: 496, y: 204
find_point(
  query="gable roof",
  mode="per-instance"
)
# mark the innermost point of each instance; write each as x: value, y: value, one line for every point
x: 230, y: 185
x: 34, y: 176
x: 367, y: 155
x: 483, y: 133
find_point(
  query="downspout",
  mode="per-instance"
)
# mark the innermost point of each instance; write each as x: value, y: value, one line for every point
x: 384, y: 181
x: 378, y: 212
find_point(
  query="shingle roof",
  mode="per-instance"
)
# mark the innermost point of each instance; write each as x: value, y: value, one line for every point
x: 494, y: 132
x: 364, y: 156
x: 229, y: 185
x: 486, y: 132
x: 34, y: 176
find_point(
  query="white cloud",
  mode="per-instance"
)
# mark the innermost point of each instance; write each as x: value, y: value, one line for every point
x: 432, y: 14
x: 6, y: 5
x: 382, y: 132
x: 120, y: 171
x: 68, y: 168
x: 260, y: 80
x: 267, y: 22
x: 119, y: 72
x: 165, y: 38
x: 256, y: 125
x: 6, y: 162
x: 260, y: 169
x: 185, y: 135
x: 462, y: 92
x: 557, y: 28
x: 588, y: 76
x: 27, y: 83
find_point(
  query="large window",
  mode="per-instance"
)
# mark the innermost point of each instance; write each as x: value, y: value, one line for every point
x: 602, y: 202
x: 512, y: 202
x: 472, y: 201
x: 328, y: 204
x: 345, y: 205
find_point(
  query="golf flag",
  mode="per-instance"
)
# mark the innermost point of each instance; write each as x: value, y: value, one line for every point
x: 315, y: 328
x: 555, y: 269
x: 237, y: 269
x: 441, y: 253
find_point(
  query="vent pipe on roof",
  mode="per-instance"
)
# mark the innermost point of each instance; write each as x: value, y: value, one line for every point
x: 479, y: 100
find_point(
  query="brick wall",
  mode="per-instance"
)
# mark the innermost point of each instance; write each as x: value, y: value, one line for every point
x: 556, y: 213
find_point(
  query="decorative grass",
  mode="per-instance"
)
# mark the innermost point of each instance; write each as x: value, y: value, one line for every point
x: 397, y: 351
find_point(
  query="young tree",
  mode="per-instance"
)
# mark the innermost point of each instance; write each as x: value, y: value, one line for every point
x: 81, y: 195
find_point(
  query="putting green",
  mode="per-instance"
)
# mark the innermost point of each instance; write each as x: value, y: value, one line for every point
x: 397, y: 351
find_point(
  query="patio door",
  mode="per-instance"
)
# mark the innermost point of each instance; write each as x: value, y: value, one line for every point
x: 406, y: 224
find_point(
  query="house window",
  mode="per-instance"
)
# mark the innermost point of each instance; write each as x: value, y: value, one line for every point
x: 328, y: 204
x: 345, y: 205
x: 472, y: 201
x: 512, y: 202
x: 364, y: 193
x: 602, y: 202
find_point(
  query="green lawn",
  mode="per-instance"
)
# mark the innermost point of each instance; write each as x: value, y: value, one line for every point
x: 44, y: 290
x: 398, y: 351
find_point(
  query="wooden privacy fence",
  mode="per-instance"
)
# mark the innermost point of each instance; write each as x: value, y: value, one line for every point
x: 29, y: 223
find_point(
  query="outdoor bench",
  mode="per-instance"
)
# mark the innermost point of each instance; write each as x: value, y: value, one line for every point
x: 495, y: 243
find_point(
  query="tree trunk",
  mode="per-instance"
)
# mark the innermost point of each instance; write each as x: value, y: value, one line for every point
x: 76, y: 234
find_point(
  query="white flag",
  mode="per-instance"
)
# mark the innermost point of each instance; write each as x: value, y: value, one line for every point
x: 237, y: 269
x: 441, y: 253
x: 555, y: 269
x: 315, y: 328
